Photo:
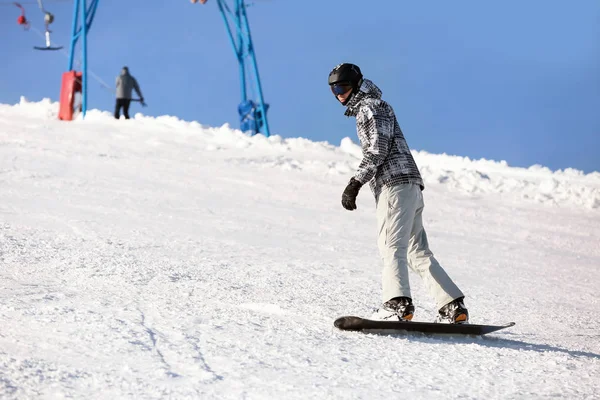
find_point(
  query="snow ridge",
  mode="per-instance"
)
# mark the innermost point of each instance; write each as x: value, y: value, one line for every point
x: 536, y: 184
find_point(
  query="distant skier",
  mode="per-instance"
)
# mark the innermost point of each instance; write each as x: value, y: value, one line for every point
x: 125, y: 86
x: 394, y: 178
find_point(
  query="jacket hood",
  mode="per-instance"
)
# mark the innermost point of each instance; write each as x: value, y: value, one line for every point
x: 368, y: 90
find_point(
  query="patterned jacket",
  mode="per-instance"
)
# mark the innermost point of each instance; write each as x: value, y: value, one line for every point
x: 387, y: 160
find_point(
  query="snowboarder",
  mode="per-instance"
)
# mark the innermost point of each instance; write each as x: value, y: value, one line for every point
x: 389, y: 168
x: 125, y: 85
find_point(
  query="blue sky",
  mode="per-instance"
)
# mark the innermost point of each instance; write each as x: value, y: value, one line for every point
x: 512, y: 80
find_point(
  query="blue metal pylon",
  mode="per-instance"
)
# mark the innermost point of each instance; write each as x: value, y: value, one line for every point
x: 253, y: 113
x: 83, y: 16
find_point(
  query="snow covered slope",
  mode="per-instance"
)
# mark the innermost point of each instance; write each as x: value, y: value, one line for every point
x: 157, y: 258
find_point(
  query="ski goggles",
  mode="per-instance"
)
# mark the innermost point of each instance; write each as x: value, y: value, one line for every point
x: 341, y: 88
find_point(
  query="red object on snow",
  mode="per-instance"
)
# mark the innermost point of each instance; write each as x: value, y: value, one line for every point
x: 71, y: 84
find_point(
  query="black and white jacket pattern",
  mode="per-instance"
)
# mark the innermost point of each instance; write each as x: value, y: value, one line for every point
x: 387, y: 160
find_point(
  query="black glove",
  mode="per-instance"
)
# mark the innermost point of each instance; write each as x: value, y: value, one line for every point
x: 350, y: 193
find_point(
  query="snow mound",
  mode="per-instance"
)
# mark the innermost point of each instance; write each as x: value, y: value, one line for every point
x: 536, y: 184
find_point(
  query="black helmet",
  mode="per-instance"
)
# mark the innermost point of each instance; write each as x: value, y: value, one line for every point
x: 345, y: 73
x: 343, y: 76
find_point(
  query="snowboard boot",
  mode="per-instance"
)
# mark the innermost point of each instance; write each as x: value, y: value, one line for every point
x: 396, y: 309
x: 454, y: 312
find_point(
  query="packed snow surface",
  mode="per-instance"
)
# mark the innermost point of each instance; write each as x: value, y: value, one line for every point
x: 156, y: 258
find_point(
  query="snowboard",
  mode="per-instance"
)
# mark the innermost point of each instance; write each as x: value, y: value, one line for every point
x: 351, y: 323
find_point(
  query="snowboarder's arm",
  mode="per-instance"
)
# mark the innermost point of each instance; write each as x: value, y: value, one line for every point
x: 136, y: 87
x: 378, y: 128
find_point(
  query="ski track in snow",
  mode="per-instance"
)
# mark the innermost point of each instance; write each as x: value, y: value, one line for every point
x: 156, y: 258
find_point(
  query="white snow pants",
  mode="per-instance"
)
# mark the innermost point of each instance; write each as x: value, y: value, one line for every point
x: 402, y: 243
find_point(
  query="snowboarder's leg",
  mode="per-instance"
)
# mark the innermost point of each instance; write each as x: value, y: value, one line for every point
x: 396, y: 208
x: 436, y: 280
x: 117, y: 108
x: 126, y: 104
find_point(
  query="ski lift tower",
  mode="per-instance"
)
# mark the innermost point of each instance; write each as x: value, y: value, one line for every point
x: 252, y: 112
x: 72, y: 81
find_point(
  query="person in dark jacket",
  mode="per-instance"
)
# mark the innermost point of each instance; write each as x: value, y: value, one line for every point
x: 126, y: 84
x: 389, y: 168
